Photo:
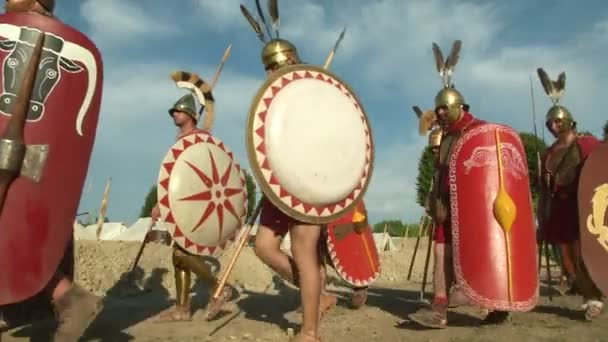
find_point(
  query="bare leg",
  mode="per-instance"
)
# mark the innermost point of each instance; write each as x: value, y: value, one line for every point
x: 439, y: 273
x: 268, y: 249
x: 304, y: 239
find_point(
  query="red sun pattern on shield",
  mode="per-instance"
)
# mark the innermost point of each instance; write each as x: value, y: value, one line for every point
x: 218, y: 195
x: 492, y: 275
x: 259, y: 125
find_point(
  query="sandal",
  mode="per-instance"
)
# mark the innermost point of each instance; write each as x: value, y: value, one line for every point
x: 215, y: 305
x: 358, y: 298
x: 593, y: 308
x: 172, y: 314
x: 434, y: 317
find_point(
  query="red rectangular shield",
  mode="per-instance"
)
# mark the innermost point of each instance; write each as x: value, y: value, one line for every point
x: 494, y: 268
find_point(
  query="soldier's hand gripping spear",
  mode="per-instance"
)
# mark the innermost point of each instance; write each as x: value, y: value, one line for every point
x: 14, y: 160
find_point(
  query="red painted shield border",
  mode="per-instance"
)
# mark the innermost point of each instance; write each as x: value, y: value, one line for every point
x: 354, y: 257
x: 593, y: 214
x: 478, y: 241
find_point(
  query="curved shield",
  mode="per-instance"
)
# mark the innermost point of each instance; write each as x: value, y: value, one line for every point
x: 494, y: 243
x: 36, y: 223
x: 202, y: 194
x: 353, y: 254
x: 593, y: 208
x: 309, y: 143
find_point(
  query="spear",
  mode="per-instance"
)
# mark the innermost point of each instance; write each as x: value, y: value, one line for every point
x: 221, y: 66
x: 103, y: 208
x: 332, y: 53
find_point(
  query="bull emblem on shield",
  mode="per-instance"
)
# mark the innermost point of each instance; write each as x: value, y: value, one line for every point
x: 58, y: 55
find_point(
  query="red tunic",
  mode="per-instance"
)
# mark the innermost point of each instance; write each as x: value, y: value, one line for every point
x: 276, y: 220
x: 562, y: 224
x: 443, y: 232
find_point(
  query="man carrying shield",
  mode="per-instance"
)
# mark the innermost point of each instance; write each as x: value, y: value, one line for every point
x: 303, y: 270
x: 36, y: 249
x: 186, y: 117
x: 474, y: 158
x: 308, y: 180
x: 557, y: 205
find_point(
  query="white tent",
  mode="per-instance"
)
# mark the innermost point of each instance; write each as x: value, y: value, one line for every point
x: 109, y: 231
x: 384, y: 242
x: 138, y: 230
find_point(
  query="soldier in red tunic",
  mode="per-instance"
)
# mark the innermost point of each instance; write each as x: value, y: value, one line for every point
x: 454, y: 120
x: 557, y: 207
x: 304, y: 268
x: 185, y: 116
x: 75, y: 307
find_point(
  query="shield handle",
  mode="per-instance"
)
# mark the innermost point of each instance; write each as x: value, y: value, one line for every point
x: 13, y: 149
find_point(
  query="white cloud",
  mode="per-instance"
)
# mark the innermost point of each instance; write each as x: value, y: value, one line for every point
x: 118, y: 22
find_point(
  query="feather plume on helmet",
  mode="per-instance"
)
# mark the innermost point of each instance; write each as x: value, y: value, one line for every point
x: 445, y: 68
x: 202, y: 92
x: 554, y: 89
x: 277, y: 52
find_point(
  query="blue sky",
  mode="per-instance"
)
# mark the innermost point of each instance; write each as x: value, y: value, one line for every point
x: 386, y: 56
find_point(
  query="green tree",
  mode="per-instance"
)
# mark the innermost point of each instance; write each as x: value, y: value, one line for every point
x: 606, y: 131
x: 149, y: 202
x: 251, y: 200
x: 426, y: 169
x: 534, y: 147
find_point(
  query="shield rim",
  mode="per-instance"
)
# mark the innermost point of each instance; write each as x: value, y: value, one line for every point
x: 602, y: 147
x: 256, y: 168
x: 333, y: 257
x: 165, y: 210
x: 472, y: 294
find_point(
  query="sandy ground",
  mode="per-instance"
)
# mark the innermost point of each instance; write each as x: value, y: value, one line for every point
x: 260, y: 313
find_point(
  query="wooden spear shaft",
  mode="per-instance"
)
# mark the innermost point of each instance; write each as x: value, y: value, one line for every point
x: 420, y: 227
x: 238, y: 250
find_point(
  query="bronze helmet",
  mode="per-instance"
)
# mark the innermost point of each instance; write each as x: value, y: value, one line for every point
x: 186, y: 104
x: 448, y: 96
x: 453, y: 100
x: 555, y: 90
x: 279, y: 53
